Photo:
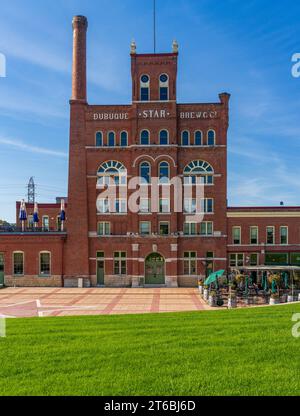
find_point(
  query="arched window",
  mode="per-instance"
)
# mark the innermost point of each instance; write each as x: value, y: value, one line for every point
x: 112, y: 172
x: 164, y: 172
x: 185, y: 138
x: 163, y: 87
x: 198, y: 138
x: 144, y: 88
x: 124, y: 139
x: 201, y: 169
x: 211, y: 138
x: 111, y: 139
x: 45, y: 263
x: 164, y: 137
x: 145, y: 138
x: 99, y: 139
x: 145, y: 172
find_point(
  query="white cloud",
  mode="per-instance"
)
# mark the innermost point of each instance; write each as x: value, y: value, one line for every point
x: 12, y: 143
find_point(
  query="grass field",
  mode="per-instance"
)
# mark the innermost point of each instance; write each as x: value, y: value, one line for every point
x: 238, y: 352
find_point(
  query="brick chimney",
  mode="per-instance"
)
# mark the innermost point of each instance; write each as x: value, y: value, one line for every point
x: 80, y: 25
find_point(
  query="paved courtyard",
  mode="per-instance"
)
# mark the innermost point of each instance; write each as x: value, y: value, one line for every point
x: 43, y: 302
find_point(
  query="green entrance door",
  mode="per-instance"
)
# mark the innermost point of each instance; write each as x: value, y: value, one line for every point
x: 100, y: 272
x: 1, y: 269
x: 155, y: 270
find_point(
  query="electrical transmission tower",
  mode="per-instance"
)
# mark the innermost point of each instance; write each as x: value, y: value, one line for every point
x: 31, y: 191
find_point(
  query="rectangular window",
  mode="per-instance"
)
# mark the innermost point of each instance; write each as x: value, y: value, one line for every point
x: 45, y: 223
x: 236, y: 260
x: 283, y: 235
x: 253, y: 259
x: 120, y: 263
x: 145, y: 227
x: 190, y: 228
x: 207, y: 205
x: 163, y: 94
x: 121, y: 206
x: 189, y: 205
x: 103, y: 228
x: 144, y: 94
x: 103, y: 206
x: 277, y: 259
x: 164, y: 205
x: 164, y: 228
x: 145, y: 205
x: 254, y: 235
x: 58, y: 223
x: 45, y: 264
x: 236, y: 235
x: 30, y: 221
x: 100, y: 254
x: 18, y: 264
x: 189, y: 263
x: 271, y: 235
x: 295, y: 259
x: 206, y: 228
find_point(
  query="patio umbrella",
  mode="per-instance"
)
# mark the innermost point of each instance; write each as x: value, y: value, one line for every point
x: 274, y: 286
x: 212, y: 278
x: 246, y: 286
x: 23, y: 214
x: 36, y: 215
x: 62, y: 213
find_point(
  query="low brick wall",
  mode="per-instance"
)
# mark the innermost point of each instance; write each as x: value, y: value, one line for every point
x: 33, y: 281
x: 187, y: 281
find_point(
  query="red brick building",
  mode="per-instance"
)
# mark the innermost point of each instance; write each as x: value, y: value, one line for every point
x: 153, y: 139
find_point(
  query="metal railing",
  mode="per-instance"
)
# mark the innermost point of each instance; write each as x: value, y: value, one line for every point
x: 12, y: 229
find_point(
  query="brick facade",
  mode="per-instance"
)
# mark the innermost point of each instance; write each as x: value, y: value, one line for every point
x: 80, y: 252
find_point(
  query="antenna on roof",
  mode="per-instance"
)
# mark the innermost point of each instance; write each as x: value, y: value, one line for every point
x: 154, y: 25
x: 31, y: 191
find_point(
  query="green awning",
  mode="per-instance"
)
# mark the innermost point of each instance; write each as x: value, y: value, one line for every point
x: 213, y: 277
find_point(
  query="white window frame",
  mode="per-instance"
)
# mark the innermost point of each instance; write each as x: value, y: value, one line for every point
x: 104, y: 224
x: 13, y: 263
x: 287, y: 235
x: 237, y: 227
x: 274, y: 235
x: 50, y: 264
x: 252, y: 227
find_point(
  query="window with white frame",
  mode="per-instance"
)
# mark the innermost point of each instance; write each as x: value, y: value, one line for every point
x: 164, y: 172
x: 120, y: 263
x: 45, y: 264
x: 164, y: 205
x: 120, y: 206
x: 236, y: 235
x: 270, y: 235
x: 103, y: 205
x: 190, y: 263
x: 111, y: 139
x: 284, y: 235
x: 164, y: 137
x: 18, y: 263
x: 124, y: 139
x: 206, y: 228
x: 103, y: 228
x: 211, y: 138
x: 145, y: 227
x: 198, y: 141
x: 163, y: 87
x: 236, y: 260
x: 145, y: 88
x: 198, y: 169
x: 45, y: 222
x: 112, y: 172
x: 145, y: 138
x: 99, y: 139
x: 145, y: 205
x: 185, y: 138
x: 254, y: 235
x: 190, y: 228
x: 164, y: 228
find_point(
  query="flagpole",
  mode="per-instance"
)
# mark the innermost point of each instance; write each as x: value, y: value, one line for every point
x: 154, y: 25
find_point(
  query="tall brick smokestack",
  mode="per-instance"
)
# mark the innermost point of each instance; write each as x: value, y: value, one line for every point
x: 80, y: 25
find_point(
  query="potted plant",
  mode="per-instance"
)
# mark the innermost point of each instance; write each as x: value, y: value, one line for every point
x: 205, y: 292
x: 200, y: 286
x: 232, y: 300
x: 212, y: 300
x: 274, y: 299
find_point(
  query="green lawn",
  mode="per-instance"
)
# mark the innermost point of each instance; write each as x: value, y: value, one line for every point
x: 239, y: 352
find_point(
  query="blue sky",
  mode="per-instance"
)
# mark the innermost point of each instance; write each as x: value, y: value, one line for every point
x: 244, y: 48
